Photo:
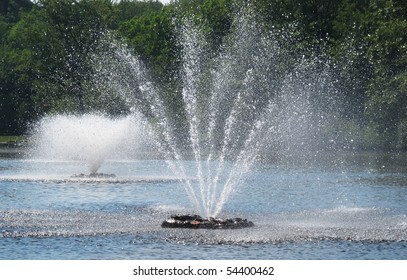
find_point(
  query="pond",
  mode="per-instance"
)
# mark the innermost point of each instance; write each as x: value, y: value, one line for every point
x: 351, y: 208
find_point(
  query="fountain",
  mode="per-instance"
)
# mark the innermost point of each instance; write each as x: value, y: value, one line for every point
x: 90, y: 138
x: 231, y: 103
x: 237, y: 104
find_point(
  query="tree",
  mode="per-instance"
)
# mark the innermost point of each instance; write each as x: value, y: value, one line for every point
x: 348, y: 48
x: 45, y: 63
x: 128, y: 9
x: 11, y: 9
x: 79, y: 25
x: 387, y: 106
x: 16, y: 71
x: 152, y: 38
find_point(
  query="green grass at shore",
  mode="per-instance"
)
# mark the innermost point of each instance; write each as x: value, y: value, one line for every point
x: 11, y: 139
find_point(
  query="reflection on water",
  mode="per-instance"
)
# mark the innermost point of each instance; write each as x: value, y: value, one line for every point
x: 325, y: 234
x: 353, y: 224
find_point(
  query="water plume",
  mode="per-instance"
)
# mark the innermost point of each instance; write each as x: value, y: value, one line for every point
x: 89, y: 138
x: 251, y: 99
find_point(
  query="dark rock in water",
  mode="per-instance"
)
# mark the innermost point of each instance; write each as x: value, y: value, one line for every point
x: 94, y: 175
x: 195, y: 221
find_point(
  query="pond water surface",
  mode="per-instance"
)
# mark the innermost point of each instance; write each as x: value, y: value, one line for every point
x: 354, y: 208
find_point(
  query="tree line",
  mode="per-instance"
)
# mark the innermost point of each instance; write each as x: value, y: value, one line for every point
x: 46, y: 48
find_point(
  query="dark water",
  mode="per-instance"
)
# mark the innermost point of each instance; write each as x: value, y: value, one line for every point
x: 352, y: 208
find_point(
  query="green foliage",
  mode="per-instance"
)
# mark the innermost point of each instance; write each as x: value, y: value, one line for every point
x: 128, y: 9
x: 46, y: 50
x: 152, y: 38
x: 387, y: 47
x: 11, y: 139
x: 12, y: 9
x: 4, y: 26
x: 212, y: 16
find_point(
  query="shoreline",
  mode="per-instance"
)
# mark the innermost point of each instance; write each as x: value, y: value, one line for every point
x: 11, y: 149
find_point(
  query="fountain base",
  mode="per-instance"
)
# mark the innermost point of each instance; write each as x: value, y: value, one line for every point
x: 94, y: 175
x: 197, y: 222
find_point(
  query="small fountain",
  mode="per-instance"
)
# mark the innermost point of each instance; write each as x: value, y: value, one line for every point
x: 89, y: 138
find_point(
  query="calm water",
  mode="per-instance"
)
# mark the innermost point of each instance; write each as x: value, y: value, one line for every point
x: 353, y: 207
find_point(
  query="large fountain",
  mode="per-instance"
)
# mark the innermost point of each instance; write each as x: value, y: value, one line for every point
x: 241, y: 104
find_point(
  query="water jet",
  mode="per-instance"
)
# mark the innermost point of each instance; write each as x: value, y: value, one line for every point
x: 90, y: 140
x: 225, y: 100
